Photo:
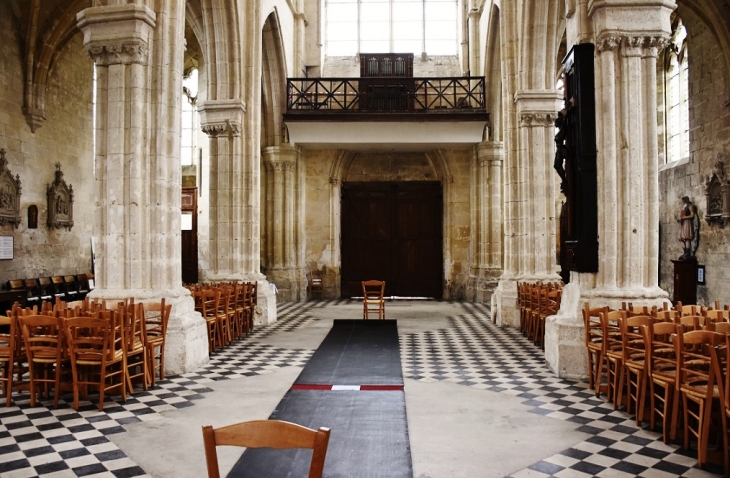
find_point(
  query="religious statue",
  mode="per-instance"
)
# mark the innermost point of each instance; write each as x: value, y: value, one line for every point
x: 689, y: 229
x: 560, y: 152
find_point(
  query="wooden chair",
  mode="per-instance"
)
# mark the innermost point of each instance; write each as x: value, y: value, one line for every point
x: 135, y: 343
x: 373, y: 300
x: 662, y: 370
x: 634, y: 355
x: 96, y: 348
x: 316, y: 284
x: 44, y: 346
x: 7, y: 355
x: 157, y: 315
x: 549, y: 305
x: 595, y: 346
x: 613, y: 354
x: 718, y: 315
x: 266, y: 434
x: 699, y: 383
x: 207, y: 304
x: 250, y: 304
x: 222, y: 318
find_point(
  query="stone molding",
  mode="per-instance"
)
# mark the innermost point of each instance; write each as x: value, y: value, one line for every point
x: 537, y: 119
x: 117, y: 35
x: 221, y: 117
x: 633, y: 45
x: 489, y: 152
x: 279, y: 166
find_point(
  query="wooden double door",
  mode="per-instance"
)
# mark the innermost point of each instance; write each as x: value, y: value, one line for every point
x: 392, y: 231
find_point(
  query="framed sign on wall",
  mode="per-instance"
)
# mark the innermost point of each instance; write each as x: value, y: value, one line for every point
x: 6, y: 247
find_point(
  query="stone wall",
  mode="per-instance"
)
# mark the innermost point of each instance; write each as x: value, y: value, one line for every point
x: 322, y: 208
x: 65, y: 137
x: 709, y: 117
x: 432, y: 66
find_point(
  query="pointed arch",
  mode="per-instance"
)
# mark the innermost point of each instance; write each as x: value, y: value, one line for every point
x: 273, y: 98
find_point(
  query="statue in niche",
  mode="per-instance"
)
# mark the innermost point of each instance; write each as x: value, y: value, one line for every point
x: 9, y: 194
x: 60, y: 202
x: 689, y: 229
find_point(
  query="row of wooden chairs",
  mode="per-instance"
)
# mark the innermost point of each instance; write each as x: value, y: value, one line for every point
x: 228, y: 309
x: 67, y: 288
x: 537, y: 301
x: 81, y: 345
x: 635, y: 351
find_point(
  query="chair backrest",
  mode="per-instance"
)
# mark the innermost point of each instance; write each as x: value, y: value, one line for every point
x: 373, y: 289
x: 43, y: 337
x: 266, y: 434
x: 7, y: 337
x: 592, y: 323
x: 89, y: 339
x: 157, y: 315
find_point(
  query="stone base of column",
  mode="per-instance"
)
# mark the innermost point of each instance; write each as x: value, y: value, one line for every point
x: 265, y: 312
x: 481, y: 284
x: 291, y: 283
x: 565, y: 350
x: 186, y: 346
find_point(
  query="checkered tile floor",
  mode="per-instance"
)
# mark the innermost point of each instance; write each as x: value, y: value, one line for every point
x: 43, y: 441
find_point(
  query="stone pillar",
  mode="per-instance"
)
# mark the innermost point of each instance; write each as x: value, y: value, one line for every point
x: 138, y: 55
x: 486, y: 221
x: 231, y: 208
x: 530, y: 222
x: 628, y: 40
x: 284, y: 221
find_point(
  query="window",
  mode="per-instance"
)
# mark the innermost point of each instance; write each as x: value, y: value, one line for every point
x: 189, y: 118
x: 676, y: 95
x: 390, y: 26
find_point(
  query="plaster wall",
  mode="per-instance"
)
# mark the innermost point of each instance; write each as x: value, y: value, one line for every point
x: 65, y: 137
x: 709, y: 124
x: 322, y: 217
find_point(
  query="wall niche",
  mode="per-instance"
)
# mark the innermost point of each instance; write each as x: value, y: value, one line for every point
x: 717, y: 194
x: 60, y: 202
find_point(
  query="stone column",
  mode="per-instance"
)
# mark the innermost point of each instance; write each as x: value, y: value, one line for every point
x: 284, y: 221
x: 486, y: 221
x: 138, y: 55
x: 628, y: 40
x: 530, y: 216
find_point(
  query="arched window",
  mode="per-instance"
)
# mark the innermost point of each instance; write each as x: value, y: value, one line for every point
x: 391, y: 26
x: 676, y: 94
x: 190, y: 120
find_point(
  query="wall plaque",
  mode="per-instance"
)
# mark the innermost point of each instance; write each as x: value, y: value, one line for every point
x: 6, y: 247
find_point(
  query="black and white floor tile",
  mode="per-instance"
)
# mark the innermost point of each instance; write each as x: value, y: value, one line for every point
x: 475, y: 352
x: 472, y: 351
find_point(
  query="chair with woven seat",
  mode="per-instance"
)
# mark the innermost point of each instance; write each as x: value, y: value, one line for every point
x: 373, y: 300
x: 157, y: 315
x: 699, y: 381
x: 595, y: 344
x: 43, y: 339
x: 206, y: 302
x: 266, y: 434
x: 8, y: 336
x: 662, y: 370
x: 613, y: 354
x: 137, y: 357
x: 316, y: 284
x: 96, y: 347
x: 634, y: 355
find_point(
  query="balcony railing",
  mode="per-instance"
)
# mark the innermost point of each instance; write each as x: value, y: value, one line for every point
x: 385, y: 95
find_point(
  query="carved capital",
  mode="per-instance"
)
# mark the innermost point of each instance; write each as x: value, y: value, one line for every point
x: 218, y: 117
x: 537, y: 119
x: 280, y: 166
x: 124, y: 53
x: 226, y: 128
x: 608, y: 43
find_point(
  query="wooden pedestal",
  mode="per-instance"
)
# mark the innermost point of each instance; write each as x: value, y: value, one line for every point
x: 685, y: 281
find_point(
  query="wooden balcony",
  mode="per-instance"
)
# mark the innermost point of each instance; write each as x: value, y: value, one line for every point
x: 386, y: 99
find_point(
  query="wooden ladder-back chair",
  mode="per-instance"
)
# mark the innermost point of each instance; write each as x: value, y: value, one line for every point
x: 634, y: 356
x: 235, y: 318
x: 44, y: 346
x: 208, y: 302
x: 8, y: 337
x: 96, y: 347
x: 222, y: 317
x: 666, y: 316
x: 373, y: 300
x: 266, y: 434
x: 316, y: 283
x: 595, y: 346
x: 241, y: 318
x: 717, y: 315
x: 613, y: 354
x: 699, y: 383
x: 137, y: 357
x: 157, y: 315
x: 662, y: 370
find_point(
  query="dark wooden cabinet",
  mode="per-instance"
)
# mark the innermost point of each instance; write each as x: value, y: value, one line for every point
x: 685, y: 282
x: 579, y: 247
x: 9, y: 297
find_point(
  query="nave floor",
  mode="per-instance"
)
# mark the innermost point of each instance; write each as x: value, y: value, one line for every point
x: 479, y: 399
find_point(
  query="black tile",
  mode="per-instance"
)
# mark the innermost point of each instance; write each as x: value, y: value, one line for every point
x: 48, y: 468
x: 589, y: 468
x: 94, y: 441
x: 545, y: 467
x: 41, y: 450
x: 129, y: 472
x: 112, y: 430
x: 110, y: 455
x: 13, y: 465
x: 614, y: 453
x: 575, y: 453
x: 90, y: 469
x: 28, y: 437
x: 73, y: 453
x: 599, y: 440
x: 61, y: 439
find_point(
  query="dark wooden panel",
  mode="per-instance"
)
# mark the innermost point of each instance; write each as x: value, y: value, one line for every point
x: 189, y: 239
x: 392, y: 232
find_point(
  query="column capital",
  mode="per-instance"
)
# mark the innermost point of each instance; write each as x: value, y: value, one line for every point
x: 221, y: 117
x: 115, y: 35
x: 490, y: 151
x: 631, y: 18
x: 535, y: 106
